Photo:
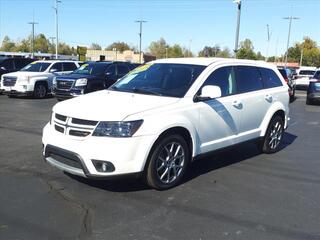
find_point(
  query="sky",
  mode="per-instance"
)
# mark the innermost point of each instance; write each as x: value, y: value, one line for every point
x: 190, y: 23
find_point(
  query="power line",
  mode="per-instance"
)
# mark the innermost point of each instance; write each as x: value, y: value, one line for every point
x: 32, y: 39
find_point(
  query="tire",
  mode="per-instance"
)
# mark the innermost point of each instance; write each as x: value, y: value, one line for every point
x: 274, y: 134
x: 168, y: 162
x: 40, y: 90
x: 292, y: 97
x: 308, y: 101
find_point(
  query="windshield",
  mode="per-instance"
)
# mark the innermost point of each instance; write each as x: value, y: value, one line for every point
x: 92, y: 69
x: 317, y: 75
x: 36, y: 67
x: 163, y: 79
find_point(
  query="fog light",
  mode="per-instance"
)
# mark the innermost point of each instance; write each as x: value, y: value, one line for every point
x: 103, y: 166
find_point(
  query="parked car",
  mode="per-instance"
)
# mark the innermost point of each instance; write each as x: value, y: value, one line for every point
x: 313, y: 93
x: 9, y: 64
x: 162, y: 115
x: 90, y: 77
x: 36, y: 78
x: 287, y: 75
x: 303, y: 77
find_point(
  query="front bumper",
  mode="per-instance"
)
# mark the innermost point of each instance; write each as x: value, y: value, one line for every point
x: 127, y: 155
x: 66, y: 94
x: 18, y: 90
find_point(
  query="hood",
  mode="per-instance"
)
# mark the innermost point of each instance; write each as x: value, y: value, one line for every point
x: 108, y: 105
x: 26, y: 74
x: 74, y: 76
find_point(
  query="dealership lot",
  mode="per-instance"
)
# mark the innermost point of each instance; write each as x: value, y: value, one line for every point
x: 234, y: 194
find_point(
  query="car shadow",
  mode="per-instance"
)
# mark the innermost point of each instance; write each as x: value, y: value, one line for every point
x: 201, y: 166
x: 31, y: 97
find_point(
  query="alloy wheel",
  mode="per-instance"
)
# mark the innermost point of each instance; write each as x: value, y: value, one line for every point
x: 275, y: 135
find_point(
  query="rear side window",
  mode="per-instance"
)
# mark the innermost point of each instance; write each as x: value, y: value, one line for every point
x: 20, y: 63
x: 270, y: 78
x: 225, y: 79
x: 122, y: 70
x: 248, y: 79
x: 57, y: 67
x: 69, y: 66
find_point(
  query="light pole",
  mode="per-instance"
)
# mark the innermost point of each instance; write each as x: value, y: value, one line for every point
x: 56, y: 21
x: 269, y: 37
x: 289, y: 33
x: 140, y: 36
x: 32, y: 38
x: 236, y: 44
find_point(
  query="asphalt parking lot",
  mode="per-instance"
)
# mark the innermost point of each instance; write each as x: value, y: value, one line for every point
x: 234, y: 194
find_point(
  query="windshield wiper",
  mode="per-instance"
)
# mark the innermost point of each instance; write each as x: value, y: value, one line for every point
x: 146, y: 91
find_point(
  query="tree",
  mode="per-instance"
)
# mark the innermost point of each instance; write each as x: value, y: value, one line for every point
x: 7, y: 44
x: 246, y: 50
x: 159, y: 48
x: 120, y: 46
x: 215, y: 51
x: 95, y: 46
x: 41, y: 43
x: 175, y: 51
x: 65, y: 49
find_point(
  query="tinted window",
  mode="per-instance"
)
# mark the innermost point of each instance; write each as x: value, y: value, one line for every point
x: 122, y: 70
x: 317, y: 75
x: 283, y: 73
x: 57, y: 67
x: 307, y: 72
x: 21, y: 62
x: 270, y: 78
x: 163, y: 79
x: 36, y: 67
x: 69, y: 66
x: 92, y: 68
x: 8, y: 64
x: 248, y: 79
x: 224, y: 78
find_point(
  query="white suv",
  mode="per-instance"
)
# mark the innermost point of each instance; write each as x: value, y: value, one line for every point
x: 36, y: 78
x: 160, y: 116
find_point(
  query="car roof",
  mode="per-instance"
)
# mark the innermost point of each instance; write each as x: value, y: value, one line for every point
x: 209, y: 61
x: 54, y: 61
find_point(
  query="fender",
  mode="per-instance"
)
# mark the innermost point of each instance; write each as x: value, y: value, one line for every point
x: 46, y: 79
x: 272, y: 110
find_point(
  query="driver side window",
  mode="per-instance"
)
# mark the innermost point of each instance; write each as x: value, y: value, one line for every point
x: 224, y: 78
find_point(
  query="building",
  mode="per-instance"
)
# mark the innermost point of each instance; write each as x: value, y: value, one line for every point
x: 125, y: 56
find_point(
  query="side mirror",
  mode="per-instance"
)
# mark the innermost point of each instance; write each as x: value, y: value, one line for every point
x: 53, y: 70
x: 210, y: 92
x: 3, y: 68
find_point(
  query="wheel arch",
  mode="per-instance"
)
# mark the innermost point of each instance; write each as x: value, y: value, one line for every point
x: 277, y: 109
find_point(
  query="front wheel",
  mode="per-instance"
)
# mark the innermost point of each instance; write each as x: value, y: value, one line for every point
x: 40, y: 90
x: 168, y: 162
x: 272, y: 139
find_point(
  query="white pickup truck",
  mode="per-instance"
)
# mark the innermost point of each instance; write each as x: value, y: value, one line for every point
x: 36, y: 78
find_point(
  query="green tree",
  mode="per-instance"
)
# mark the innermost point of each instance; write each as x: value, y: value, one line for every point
x: 159, y: 48
x: 95, y: 46
x: 175, y: 51
x: 7, y: 44
x: 120, y: 46
x: 65, y: 49
x: 41, y: 44
x: 246, y: 50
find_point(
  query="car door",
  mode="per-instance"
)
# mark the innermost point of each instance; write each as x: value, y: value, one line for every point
x: 253, y: 100
x: 56, y: 68
x: 219, y: 118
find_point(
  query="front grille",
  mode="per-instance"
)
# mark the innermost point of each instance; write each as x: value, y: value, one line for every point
x: 64, y: 84
x: 73, y: 126
x: 9, y: 81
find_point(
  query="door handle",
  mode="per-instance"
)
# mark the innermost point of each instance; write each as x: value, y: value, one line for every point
x: 237, y: 104
x: 269, y: 97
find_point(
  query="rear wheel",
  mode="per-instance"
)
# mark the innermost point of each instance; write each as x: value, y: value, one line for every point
x: 272, y: 139
x: 168, y: 162
x: 40, y: 90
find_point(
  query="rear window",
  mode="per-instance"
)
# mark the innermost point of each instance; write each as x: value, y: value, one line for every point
x: 270, y: 78
x: 307, y: 72
x: 36, y: 67
x: 317, y: 75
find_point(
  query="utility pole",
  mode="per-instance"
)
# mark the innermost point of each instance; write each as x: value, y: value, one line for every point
x: 52, y: 43
x: 140, y: 35
x: 166, y: 52
x: 269, y: 38
x: 32, y: 39
x: 289, y: 33
x: 57, y: 25
x: 236, y: 44
x: 301, y: 57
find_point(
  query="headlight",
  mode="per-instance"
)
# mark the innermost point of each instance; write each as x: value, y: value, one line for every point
x: 81, y: 82
x: 117, y: 129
